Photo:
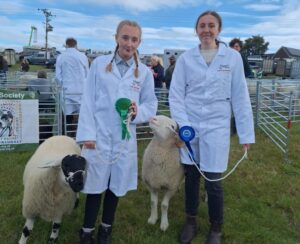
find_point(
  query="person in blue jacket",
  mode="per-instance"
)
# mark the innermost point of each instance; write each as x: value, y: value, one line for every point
x: 111, y: 161
x: 207, y: 82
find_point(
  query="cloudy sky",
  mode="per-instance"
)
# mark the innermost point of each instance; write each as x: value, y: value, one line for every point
x: 165, y: 23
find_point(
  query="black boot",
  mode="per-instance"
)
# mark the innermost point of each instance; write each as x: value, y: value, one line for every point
x: 189, y: 230
x: 215, y: 234
x: 86, y: 237
x: 103, y: 234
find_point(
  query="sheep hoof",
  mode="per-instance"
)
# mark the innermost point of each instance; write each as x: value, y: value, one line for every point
x: 164, y: 226
x: 152, y: 220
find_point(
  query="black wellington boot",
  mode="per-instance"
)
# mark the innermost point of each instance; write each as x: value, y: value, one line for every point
x: 85, y: 237
x: 189, y: 230
x: 103, y: 234
x: 214, y: 234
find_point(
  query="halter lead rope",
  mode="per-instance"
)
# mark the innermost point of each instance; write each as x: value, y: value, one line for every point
x: 186, y: 134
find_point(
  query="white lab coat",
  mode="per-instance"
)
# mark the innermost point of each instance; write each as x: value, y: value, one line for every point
x: 71, y: 72
x: 202, y: 96
x: 99, y: 121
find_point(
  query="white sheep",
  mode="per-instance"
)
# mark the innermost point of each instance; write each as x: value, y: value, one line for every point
x: 162, y: 170
x: 52, y: 176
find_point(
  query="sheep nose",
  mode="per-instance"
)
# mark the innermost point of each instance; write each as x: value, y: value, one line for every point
x: 153, y: 119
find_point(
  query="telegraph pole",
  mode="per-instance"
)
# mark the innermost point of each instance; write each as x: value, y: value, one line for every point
x: 48, y: 27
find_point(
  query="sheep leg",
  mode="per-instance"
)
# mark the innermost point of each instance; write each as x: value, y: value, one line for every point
x: 77, y: 201
x: 26, y: 230
x: 164, y: 224
x: 154, y: 199
x: 54, y: 232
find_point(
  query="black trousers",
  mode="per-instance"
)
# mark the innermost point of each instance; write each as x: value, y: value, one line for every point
x: 92, y: 206
x: 214, y: 194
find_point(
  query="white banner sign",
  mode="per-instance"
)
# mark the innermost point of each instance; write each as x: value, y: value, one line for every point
x: 19, y: 120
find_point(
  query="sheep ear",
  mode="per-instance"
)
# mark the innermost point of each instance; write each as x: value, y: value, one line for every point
x: 56, y: 163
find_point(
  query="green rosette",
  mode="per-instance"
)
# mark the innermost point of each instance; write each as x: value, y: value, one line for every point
x: 122, y: 107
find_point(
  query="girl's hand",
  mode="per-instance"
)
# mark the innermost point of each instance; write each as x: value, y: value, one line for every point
x: 133, y: 110
x: 246, y: 147
x: 89, y: 144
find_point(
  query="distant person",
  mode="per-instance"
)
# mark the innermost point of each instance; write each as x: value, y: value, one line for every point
x: 168, y: 75
x: 71, y: 72
x: 24, y: 64
x: 3, y: 67
x: 169, y: 71
x: 158, y: 75
x: 157, y: 71
x: 237, y: 44
x: 43, y: 87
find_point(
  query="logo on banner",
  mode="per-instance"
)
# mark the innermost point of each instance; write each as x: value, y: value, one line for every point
x: 10, y: 122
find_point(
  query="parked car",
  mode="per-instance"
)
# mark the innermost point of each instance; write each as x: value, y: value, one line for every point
x: 40, y: 58
x: 50, y: 63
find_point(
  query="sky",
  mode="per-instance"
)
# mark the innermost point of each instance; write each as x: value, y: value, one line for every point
x: 166, y: 24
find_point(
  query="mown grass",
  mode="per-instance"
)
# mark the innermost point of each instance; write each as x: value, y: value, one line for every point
x: 262, y: 202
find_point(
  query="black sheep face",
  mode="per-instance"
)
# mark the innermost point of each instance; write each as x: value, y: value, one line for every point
x: 73, y: 167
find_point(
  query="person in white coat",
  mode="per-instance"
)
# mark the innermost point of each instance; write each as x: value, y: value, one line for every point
x: 207, y: 82
x: 71, y: 71
x: 112, y: 162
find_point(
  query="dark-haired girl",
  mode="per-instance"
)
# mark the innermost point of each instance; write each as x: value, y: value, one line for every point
x: 207, y: 82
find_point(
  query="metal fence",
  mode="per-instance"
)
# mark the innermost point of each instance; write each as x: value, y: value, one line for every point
x: 49, y: 109
x: 143, y: 131
x: 277, y: 107
x: 275, y: 103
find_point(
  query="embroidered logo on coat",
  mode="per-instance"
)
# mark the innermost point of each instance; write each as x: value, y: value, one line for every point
x: 135, y: 85
x: 224, y: 67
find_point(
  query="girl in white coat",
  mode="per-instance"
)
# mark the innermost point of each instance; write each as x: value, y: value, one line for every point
x: 209, y: 81
x: 111, y: 161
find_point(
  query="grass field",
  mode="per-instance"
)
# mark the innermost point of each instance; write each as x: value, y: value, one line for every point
x: 262, y: 202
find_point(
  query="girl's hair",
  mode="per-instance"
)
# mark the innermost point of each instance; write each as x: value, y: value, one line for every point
x: 213, y: 13
x: 135, y: 55
x: 71, y: 42
x: 234, y: 41
x: 157, y: 59
x: 217, y: 16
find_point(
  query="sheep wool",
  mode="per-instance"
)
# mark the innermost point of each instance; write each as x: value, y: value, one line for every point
x: 46, y: 193
x: 162, y: 170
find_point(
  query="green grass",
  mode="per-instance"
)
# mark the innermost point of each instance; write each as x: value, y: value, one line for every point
x: 33, y: 68
x: 262, y: 202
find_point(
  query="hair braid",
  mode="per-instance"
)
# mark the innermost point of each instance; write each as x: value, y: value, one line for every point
x: 109, y: 66
x: 136, y: 71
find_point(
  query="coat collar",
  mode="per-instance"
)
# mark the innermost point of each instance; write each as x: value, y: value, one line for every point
x: 129, y: 72
x: 118, y: 60
x: 221, y: 50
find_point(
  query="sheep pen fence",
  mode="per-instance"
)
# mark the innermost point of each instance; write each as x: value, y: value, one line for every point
x: 275, y: 104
